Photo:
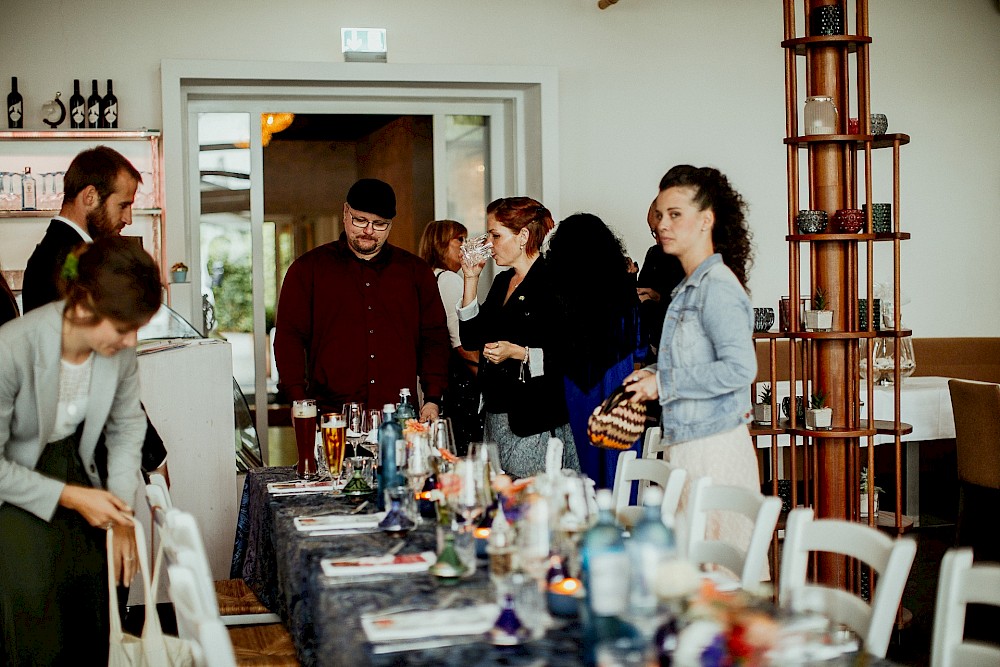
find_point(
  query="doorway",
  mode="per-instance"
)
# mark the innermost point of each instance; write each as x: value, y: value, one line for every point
x: 496, y: 121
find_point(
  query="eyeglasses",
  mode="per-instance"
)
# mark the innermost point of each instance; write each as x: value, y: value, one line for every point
x: 361, y: 223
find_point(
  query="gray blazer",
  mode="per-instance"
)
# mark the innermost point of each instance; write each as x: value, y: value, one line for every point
x: 30, y: 349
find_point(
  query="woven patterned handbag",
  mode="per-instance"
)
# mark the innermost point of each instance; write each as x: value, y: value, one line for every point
x: 617, y: 422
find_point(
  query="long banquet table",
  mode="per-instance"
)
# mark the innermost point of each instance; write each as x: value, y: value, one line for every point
x: 281, y: 565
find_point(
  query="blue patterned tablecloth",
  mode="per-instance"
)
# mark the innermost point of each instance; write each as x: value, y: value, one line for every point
x: 281, y: 565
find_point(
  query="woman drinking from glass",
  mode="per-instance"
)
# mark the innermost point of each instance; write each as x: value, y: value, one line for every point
x: 520, y: 376
x: 706, y: 361
x: 441, y: 247
x: 70, y: 374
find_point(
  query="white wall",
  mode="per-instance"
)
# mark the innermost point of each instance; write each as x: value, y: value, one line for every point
x: 643, y: 85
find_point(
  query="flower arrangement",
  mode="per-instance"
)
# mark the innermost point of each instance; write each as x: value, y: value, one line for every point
x: 514, y: 494
x: 715, y: 628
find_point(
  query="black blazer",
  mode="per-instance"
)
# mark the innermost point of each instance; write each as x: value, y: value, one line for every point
x: 528, y: 319
x: 41, y: 275
x: 41, y: 286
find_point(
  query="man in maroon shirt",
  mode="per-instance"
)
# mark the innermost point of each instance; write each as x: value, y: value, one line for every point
x: 358, y: 319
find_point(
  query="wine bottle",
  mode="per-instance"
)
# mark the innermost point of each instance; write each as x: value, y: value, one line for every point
x: 15, y: 106
x: 405, y: 410
x: 109, y: 109
x: 77, y: 108
x: 605, y: 566
x: 388, y: 433
x: 94, y: 106
x: 29, y: 199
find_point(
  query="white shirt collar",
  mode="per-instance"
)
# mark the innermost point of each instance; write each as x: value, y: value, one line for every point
x: 79, y: 230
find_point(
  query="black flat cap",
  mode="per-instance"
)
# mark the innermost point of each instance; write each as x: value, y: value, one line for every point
x: 371, y: 195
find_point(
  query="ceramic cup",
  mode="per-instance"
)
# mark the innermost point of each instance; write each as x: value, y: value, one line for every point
x: 849, y: 220
x: 763, y: 319
x: 881, y: 217
x: 880, y: 124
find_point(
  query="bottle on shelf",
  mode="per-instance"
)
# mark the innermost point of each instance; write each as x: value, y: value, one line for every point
x: 388, y: 433
x: 605, y: 570
x: 77, y: 108
x: 650, y: 544
x: 29, y: 198
x: 94, y: 106
x: 109, y: 109
x: 15, y: 106
x: 405, y: 409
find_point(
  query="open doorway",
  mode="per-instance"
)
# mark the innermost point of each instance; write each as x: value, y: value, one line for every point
x: 309, y: 161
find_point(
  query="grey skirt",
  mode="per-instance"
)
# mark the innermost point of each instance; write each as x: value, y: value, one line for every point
x: 525, y: 456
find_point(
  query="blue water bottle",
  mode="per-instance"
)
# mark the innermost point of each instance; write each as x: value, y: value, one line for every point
x: 605, y: 565
x: 388, y: 433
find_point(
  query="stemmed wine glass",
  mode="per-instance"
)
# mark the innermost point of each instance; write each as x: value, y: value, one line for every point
x: 472, y: 495
x: 372, y: 422
x: 354, y: 415
x: 417, y: 464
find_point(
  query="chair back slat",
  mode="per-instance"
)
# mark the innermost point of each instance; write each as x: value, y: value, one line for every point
x: 961, y: 583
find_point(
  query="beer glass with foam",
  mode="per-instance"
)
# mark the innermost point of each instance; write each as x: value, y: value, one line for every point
x: 304, y: 423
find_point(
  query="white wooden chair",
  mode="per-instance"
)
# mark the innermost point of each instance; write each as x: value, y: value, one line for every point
x: 635, y: 470
x: 652, y: 443
x: 961, y: 583
x: 763, y: 511
x: 890, y: 558
x: 196, y: 622
x: 236, y: 603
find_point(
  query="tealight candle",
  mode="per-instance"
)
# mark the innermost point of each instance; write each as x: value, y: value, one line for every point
x: 482, y: 536
x: 562, y: 597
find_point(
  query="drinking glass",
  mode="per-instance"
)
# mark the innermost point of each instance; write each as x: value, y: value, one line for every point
x: 489, y: 454
x: 354, y: 415
x: 443, y: 436
x: 334, y: 430
x: 471, y: 496
x: 476, y: 250
x: 416, y: 466
x: 304, y: 423
x: 373, y: 419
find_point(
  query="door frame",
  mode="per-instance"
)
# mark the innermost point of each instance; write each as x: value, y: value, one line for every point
x: 528, y: 137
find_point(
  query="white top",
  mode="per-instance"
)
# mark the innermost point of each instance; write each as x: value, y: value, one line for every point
x: 74, y: 393
x: 79, y: 230
x: 451, y: 286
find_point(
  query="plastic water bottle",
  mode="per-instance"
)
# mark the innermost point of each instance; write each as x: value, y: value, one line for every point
x: 388, y: 433
x: 605, y: 565
x: 651, y: 543
x: 405, y: 409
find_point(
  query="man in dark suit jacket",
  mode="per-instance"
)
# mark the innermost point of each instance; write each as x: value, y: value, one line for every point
x: 98, y: 190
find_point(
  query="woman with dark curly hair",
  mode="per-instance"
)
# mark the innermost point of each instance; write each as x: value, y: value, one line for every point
x: 599, y: 320
x: 706, y: 361
x: 516, y: 328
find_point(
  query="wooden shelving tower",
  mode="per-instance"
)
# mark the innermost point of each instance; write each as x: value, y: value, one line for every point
x: 831, y: 172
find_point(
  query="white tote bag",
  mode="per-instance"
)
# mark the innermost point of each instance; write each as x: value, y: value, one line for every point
x: 153, y: 648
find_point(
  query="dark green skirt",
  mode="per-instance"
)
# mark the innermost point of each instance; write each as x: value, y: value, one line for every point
x: 53, y: 577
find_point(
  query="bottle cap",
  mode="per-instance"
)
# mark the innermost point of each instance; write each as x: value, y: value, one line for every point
x: 405, y: 391
x: 389, y: 407
x: 652, y: 496
x: 604, y: 499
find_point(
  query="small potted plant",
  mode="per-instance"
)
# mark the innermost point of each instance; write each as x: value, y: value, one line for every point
x: 818, y: 416
x: 819, y: 318
x: 762, y: 408
x: 864, y: 493
x: 179, y: 273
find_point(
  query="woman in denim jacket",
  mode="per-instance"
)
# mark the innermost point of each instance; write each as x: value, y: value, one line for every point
x: 706, y: 360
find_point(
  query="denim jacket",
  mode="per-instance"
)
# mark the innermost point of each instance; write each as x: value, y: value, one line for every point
x: 706, y: 360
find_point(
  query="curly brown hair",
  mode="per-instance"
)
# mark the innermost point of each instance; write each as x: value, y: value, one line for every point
x: 516, y: 213
x: 731, y: 235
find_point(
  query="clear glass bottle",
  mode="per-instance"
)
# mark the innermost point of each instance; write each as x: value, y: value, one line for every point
x: 605, y: 569
x: 405, y: 409
x: 29, y: 197
x: 650, y: 544
x: 820, y: 115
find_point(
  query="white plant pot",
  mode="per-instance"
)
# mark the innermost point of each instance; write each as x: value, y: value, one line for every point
x: 819, y: 418
x: 762, y: 414
x: 864, y: 505
x: 819, y: 320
